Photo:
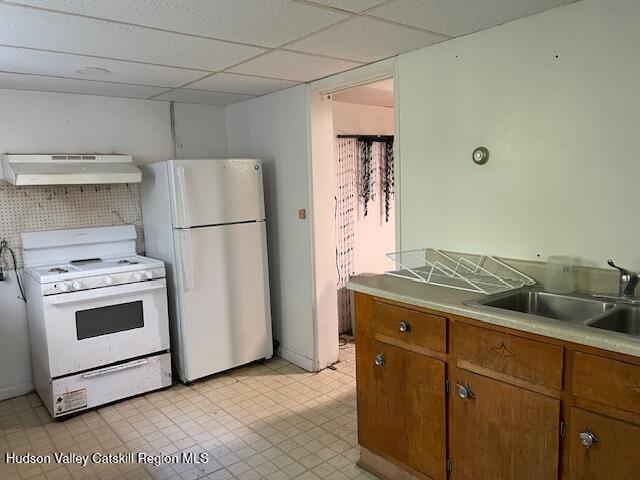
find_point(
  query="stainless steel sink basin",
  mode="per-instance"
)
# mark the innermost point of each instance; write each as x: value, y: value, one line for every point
x: 575, y: 308
x: 615, y: 314
x: 622, y: 319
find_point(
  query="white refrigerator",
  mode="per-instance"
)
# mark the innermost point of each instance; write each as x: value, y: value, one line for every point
x: 206, y: 220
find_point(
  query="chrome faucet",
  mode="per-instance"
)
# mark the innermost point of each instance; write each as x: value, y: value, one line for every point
x: 628, y: 281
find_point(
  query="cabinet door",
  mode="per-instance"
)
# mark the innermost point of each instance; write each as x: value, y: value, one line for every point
x: 614, y: 450
x: 401, y: 407
x: 502, y: 432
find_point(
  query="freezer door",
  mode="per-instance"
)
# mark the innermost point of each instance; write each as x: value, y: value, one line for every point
x: 213, y: 192
x: 223, y: 298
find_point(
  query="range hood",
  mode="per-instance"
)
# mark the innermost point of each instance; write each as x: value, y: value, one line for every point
x: 69, y: 169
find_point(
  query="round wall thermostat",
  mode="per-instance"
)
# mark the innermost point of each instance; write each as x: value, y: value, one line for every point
x: 480, y: 155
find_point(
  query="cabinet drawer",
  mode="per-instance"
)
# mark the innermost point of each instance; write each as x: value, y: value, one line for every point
x: 606, y: 381
x: 417, y: 328
x: 536, y: 362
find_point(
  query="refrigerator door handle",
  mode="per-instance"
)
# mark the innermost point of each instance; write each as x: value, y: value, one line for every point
x: 186, y: 261
x: 184, y: 194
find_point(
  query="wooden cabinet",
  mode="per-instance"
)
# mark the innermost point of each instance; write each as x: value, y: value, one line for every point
x: 613, y: 447
x: 502, y: 432
x: 529, y: 360
x: 401, y: 407
x: 607, y: 381
x: 410, y: 326
x: 511, y: 394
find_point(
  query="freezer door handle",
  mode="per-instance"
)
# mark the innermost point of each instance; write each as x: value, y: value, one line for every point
x: 186, y: 261
x: 184, y: 193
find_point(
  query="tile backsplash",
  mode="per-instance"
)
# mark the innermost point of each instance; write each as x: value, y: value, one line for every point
x: 25, y: 209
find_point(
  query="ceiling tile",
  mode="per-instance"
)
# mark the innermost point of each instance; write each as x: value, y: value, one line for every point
x: 365, y: 39
x: 69, y: 85
x: 356, y: 6
x: 293, y: 66
x: 26, y: 27
x: 64, y: 65
x: 234, y: 83
x: 187, y: 95
x: 459, y: 17
x: 258, y: 22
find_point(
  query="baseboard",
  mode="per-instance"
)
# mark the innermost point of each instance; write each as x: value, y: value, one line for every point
x: 15, y: 390
x: 386, y: 469
x: 318, y: 367
x: 296, y: 359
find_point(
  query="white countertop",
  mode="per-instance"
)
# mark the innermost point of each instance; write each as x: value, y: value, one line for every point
x: 452, y: 301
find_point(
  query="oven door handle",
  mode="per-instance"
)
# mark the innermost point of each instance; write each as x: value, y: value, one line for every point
x: 116, y: 368
x: 95, y: 295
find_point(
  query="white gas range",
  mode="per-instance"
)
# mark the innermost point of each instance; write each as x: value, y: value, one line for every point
x: 98, y: 321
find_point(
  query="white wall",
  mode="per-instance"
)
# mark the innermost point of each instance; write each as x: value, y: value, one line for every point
x: 374, y: 236
x: 15, y: 355
x: 57, y: 122
x: 274, y: 128
x: 363, y: 119
x: 201, y: 131
x: 323, y: 179
x: 555, y: 98
x: 40, y: 122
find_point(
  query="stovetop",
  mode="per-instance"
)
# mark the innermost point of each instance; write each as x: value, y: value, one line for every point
x: 89, y: 267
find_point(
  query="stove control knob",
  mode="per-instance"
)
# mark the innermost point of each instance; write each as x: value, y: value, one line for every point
x: 137, y: 276
x: 76, y: 285
x: 108, y: 280
x: 64, y: 287
x: 148, y: 275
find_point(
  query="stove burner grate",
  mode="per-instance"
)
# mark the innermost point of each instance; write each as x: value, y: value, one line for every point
x: 58, y: 270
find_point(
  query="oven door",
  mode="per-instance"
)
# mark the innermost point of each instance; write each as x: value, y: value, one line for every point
x: 98, y: 327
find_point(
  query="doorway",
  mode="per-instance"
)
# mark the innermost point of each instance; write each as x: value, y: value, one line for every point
x: 363, y: 123
x: 353, y: 170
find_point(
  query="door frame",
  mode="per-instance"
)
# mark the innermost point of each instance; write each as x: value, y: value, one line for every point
x: 322, y: 228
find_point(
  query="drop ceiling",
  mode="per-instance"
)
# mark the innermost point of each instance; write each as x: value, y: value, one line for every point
x: 221, y: 52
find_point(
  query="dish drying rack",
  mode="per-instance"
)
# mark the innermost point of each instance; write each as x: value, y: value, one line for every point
x: 471, y: 272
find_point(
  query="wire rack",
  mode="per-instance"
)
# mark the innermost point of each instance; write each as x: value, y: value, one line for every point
x: 475, y: 273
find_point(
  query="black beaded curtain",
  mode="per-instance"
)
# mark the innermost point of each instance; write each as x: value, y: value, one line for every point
x: 365, y: 167
x: 346, y: 199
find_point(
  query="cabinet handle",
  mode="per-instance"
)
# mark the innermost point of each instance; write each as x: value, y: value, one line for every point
x: 464, y: 392
x: 379, y: 360
x: 404, y: 327
x: 587, y: 438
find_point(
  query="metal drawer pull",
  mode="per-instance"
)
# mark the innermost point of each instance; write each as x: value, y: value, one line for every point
x: 117, y: 368
x: 464, y: 392
x: 379, y: 360
x: 587, y: 438
x: 404, y: 327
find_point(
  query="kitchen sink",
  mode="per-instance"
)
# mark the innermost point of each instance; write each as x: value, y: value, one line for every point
x: 614, y: 314
x: 623, y: 319
x: 575, y: 307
